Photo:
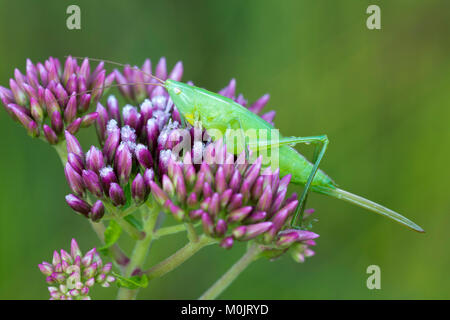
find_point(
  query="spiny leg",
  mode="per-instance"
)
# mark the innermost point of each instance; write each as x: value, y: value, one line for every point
x: 302, y: 205
x: 321, y: 143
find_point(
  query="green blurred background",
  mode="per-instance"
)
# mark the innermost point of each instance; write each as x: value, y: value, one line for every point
x: 381, y: 96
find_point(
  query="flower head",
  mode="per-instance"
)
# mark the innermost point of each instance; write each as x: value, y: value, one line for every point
x: 71, y: 275
x: 50, y: 98
x: 232, y: 199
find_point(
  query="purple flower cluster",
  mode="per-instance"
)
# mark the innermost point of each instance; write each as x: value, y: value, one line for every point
x: 124, y: 164
x: 50, y: 98
x: 233, y: 199
x: 71, y: 275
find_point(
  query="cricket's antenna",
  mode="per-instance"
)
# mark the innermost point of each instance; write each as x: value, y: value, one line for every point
x: 112, y: 86
x: 119, y: 64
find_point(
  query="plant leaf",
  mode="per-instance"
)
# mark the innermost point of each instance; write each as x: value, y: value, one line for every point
x: 112, y: 234
x: 134, y: 282
x: 131, y: 219
x: 127, y: 193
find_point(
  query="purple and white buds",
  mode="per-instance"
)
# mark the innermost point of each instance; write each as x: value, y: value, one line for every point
x: 47, y: 86
x: 71, y: 276
x: 107, y: 176
x: 112, y: 140
x: 123, y: 163
x: 144, y: 156
x: 116, y: 194
x: 139, y: 190
x: 94, y: 159
x: 287, y: 237
x: 92, y: 182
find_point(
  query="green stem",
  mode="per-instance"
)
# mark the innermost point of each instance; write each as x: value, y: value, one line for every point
x: 118, y: 255
x: 191, y: 233
x: 166, y: 231
x: 169, y: 230
x: 61, y: 150
x: 139, y: 256
x: 178, y: 257
x: 220, y: 285
x: 132, y: 231
x: 115, y: 214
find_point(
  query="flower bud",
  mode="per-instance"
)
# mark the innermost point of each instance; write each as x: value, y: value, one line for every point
x: 49, y: 134
x: 227, y: 242
x: 138, y: 189
x: 92, y: 183
x: 78, y: 204
x: 112, y: 140
x: 144, y: 156
x: 94, y: 159
x: 123, y: 163
x: 74, y: 180
x: 73, y: 145
x: 116, y: 194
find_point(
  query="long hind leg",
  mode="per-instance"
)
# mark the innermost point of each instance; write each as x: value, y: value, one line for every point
x: 321, y: 143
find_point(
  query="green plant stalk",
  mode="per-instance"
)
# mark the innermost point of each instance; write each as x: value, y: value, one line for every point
x: 61, y: 150
x: 132, y: 231
x: 118, y: 255
x: 139, y: 255
x: 220, y: 285
x: 178, y: 257
x: 191, y: 233
x: 166, y: 231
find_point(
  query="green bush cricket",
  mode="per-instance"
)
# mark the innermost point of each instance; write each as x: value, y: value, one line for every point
x: 215, y: 111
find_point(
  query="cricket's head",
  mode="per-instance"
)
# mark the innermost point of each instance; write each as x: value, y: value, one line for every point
x: 182, y: 96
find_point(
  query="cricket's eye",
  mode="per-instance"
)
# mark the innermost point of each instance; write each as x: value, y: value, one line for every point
x: 177, y: 90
